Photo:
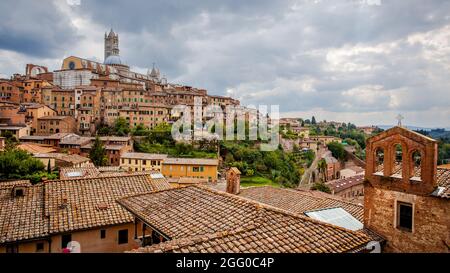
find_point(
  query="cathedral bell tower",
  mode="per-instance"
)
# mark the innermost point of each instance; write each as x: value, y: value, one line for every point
x: 111, y: 44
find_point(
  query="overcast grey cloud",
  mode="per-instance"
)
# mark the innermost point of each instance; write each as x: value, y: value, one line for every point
x: 363, y: 61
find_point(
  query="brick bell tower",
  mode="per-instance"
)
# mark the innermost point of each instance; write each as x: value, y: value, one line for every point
x: 402, y: 160
x: 399, y: 200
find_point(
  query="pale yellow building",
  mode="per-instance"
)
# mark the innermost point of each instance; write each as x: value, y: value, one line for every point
x: 141, y: 162
x: 191, y: 167
x: 36, y: 111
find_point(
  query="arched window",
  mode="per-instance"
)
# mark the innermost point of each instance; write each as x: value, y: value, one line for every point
x: 398, y: 161
x: 379, y: 161
x: 416, y: 165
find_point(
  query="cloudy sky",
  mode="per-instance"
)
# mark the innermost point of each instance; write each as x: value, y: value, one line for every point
x: 363, y: 61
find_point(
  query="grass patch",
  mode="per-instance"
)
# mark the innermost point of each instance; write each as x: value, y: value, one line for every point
x: 257, y: 181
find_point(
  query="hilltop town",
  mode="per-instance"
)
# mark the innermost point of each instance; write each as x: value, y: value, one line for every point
x: 88, y: 164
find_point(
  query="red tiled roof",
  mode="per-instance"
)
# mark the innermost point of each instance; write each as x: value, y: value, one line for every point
x: 443, y: 181
x: 80, y: 211
x: 200, y: 220
x: 68, y: 205
x: 300, y: 201
x: 339, y: 185
x: 21, y: 218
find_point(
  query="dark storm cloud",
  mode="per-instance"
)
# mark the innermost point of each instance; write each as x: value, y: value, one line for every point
x: 35, y: 28
x: 339, y: 55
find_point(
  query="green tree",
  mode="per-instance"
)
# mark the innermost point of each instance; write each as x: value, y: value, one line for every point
x: 49, y: 168
x: 17, y: 164
x: 140, y: 130
x: 98, y: 153
x: 162, y: 134
x: 313, y: 120
x: 322, y: 166
x: 121, y: 127
x: 337, y: 150
x: 321, y: 187
x: 104, y: 130
x: 10, y: 140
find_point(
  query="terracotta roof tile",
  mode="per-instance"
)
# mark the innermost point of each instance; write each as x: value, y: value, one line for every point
x: 73, y: 158
x: 36, y: 148
x: 190, y: 161
x: 443, y: 181
x: 21, y: 218
x: 74, y: 204
x: 66, y: 205
x: 198, y: 219
x: 300, y: 201
x: 339, y: 185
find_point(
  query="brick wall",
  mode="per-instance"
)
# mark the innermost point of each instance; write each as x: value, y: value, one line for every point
x: 431, y: 220
x: 385, y: 190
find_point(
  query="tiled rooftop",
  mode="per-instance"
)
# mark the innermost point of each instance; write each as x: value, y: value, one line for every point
x: 89, y: 171
x: 191, y: 211
x: 21, y: 218
x: 36, y: 148
x: 86, y: 196
x: 191, y: 161
x: 73, y: 158
x: 300, y: 202
x: 345, y: 183
x: 54, y: 118
x: 67, y: 205
x: 198, y: 219
x: 443, y: 180
x: 144, y: 156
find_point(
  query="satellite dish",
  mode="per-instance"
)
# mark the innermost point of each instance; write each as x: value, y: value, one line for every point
x: 74, y: 247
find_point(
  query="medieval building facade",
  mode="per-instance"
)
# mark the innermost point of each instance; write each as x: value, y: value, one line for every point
x: 97, y: 93
x: 406, y: 195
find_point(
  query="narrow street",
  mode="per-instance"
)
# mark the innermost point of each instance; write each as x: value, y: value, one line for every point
x: 306, y: 177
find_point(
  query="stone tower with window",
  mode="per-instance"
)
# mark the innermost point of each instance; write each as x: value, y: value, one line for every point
x: 111, y: 44
x: 406, y: 194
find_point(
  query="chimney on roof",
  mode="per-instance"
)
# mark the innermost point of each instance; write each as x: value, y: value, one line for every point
x: 233, y: 180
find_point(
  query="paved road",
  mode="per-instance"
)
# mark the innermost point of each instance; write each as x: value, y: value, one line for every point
x: 306, y: 177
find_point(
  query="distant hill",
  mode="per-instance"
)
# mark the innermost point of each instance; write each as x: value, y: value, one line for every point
x: 414, y: 128
x: 436, y: 133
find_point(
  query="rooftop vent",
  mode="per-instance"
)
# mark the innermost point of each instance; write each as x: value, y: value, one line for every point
x: 102, y: 206
x: 18, y: 191
x: 156, y: 176
x: 74, y: 174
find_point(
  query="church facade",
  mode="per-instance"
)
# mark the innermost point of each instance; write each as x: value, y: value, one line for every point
x: 407, y: 197
x: 76, y: 71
